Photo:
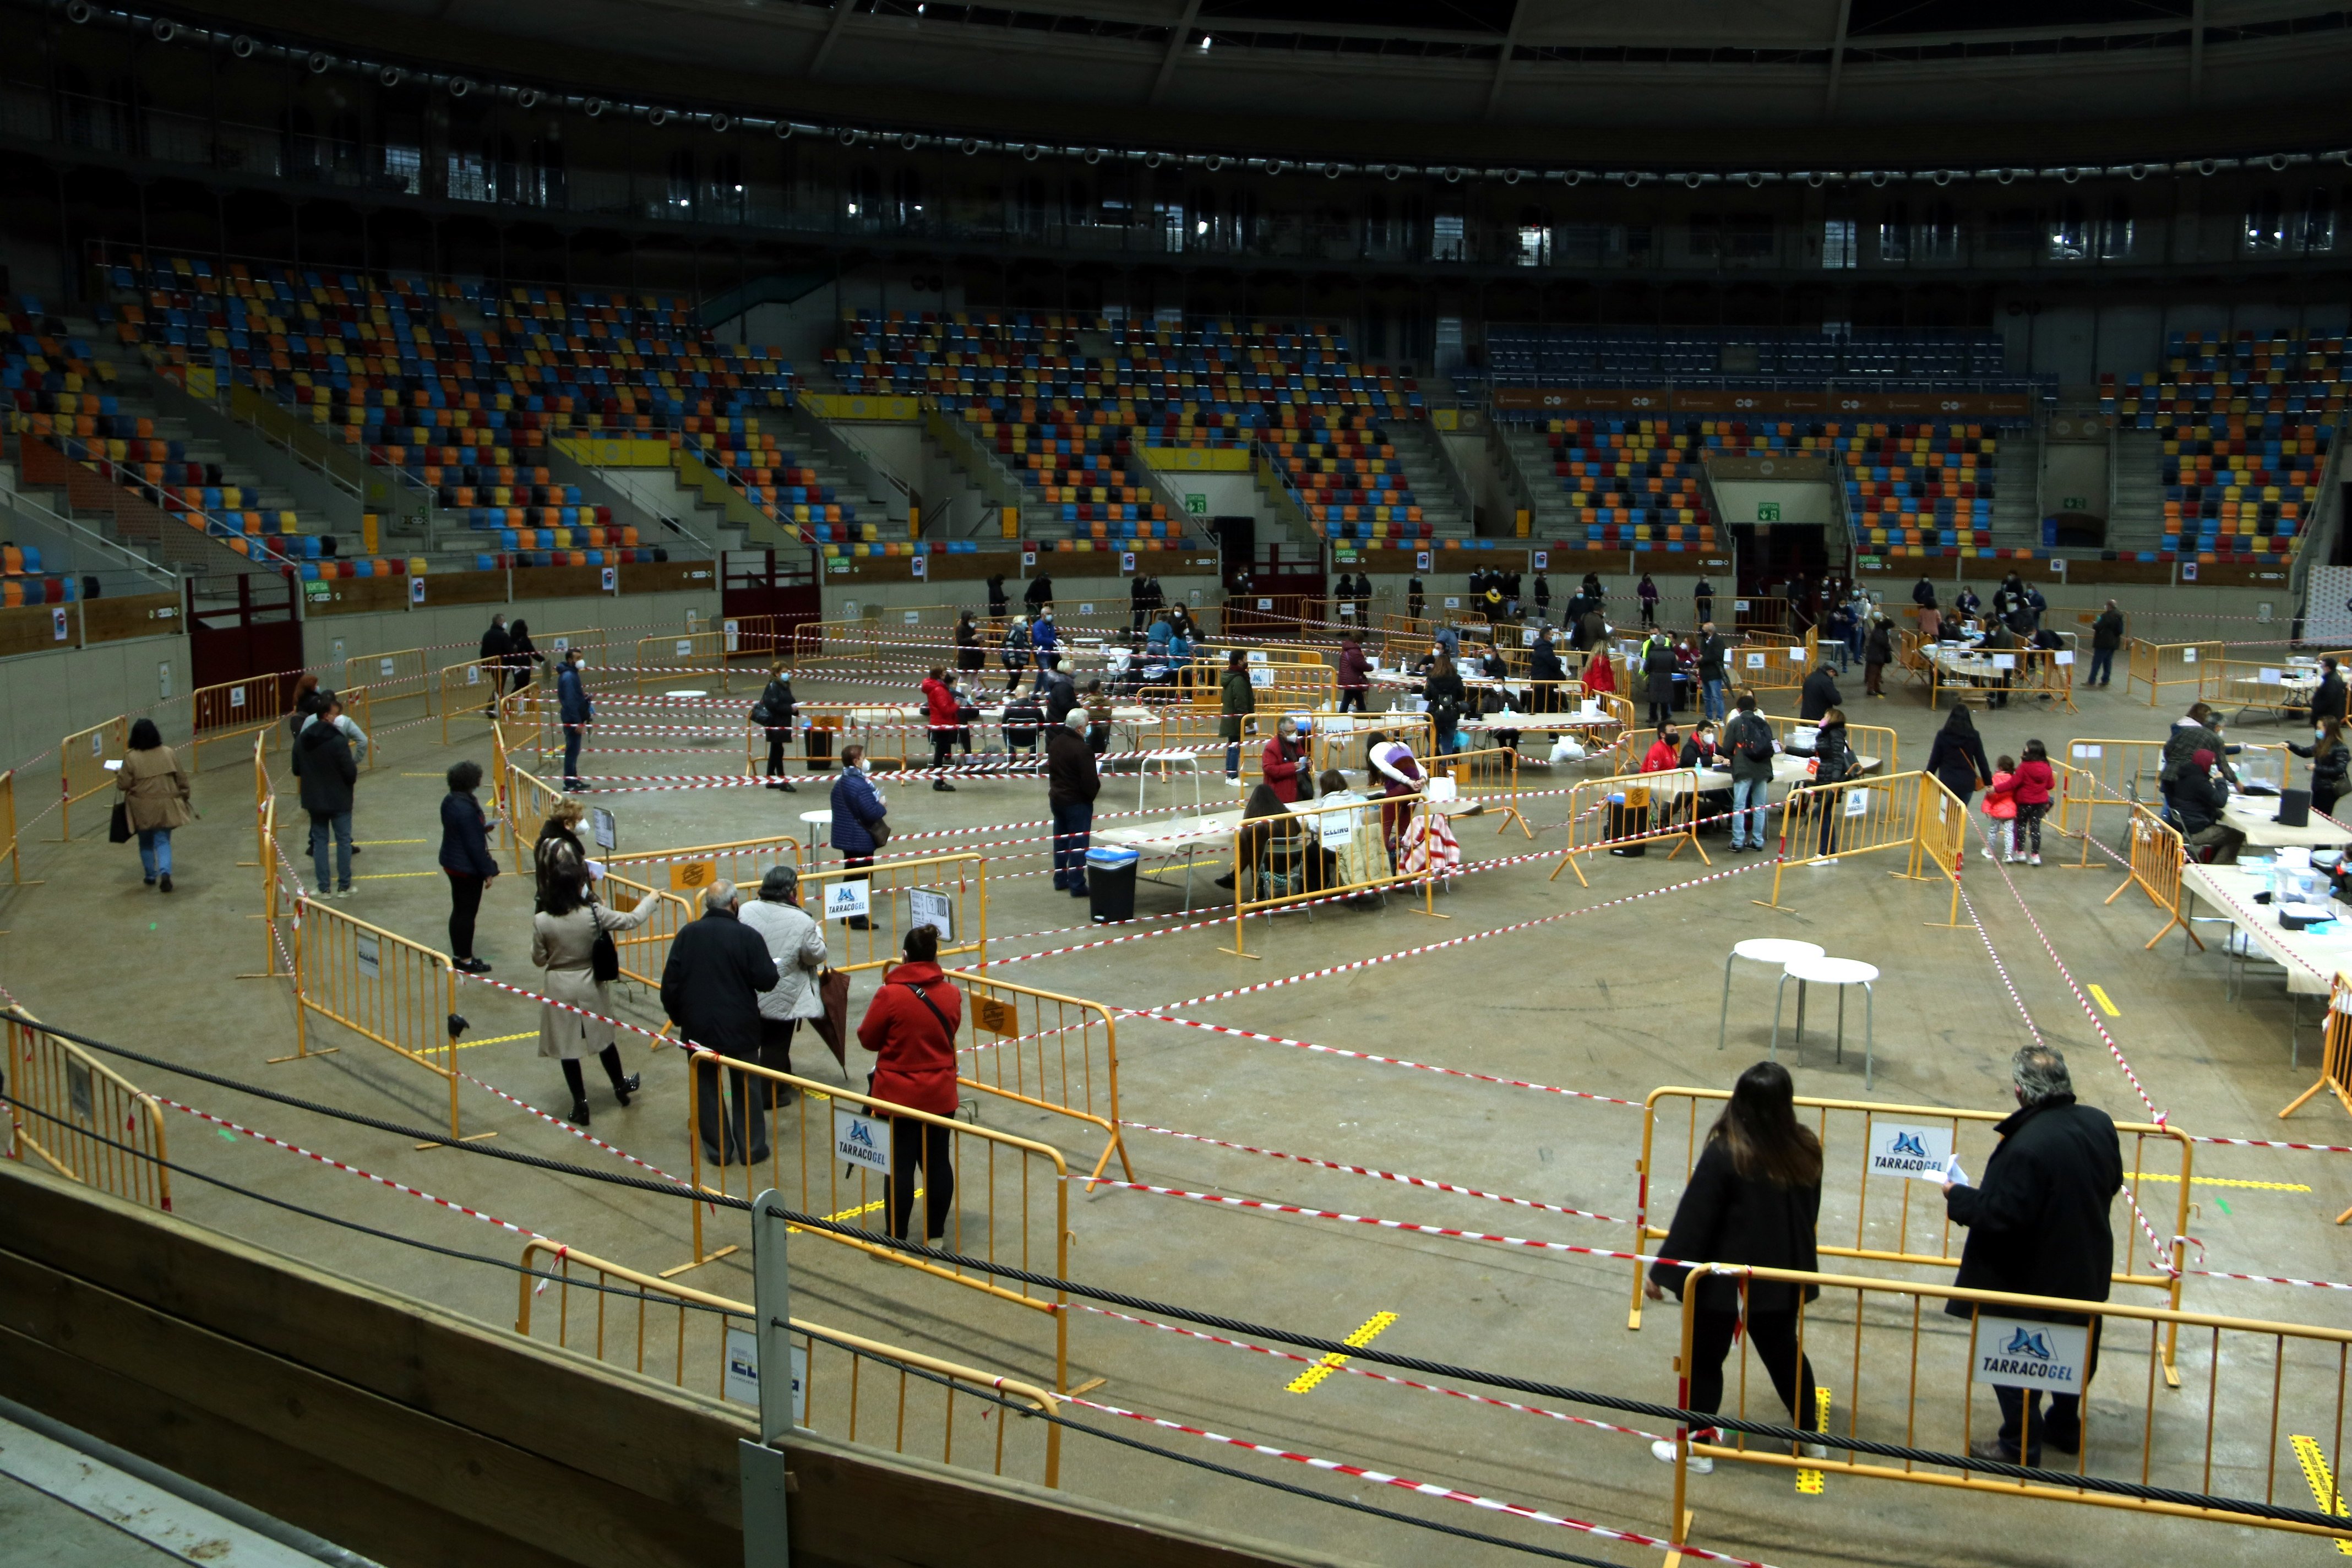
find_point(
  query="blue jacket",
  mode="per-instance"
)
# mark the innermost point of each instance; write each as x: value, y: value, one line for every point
x: 1156, y: 640
x: 856, y: 810
x: 1043, y: 636
x: 465, y: 839
x: 572, y: 693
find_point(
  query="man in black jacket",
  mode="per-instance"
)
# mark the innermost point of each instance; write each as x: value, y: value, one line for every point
x: 2327, y: 700
x: 1071, y: 785
x: 2106, y: 636
x: 1820, y: 694
x: 1712, y: 652
x: 323, y: 761
x: 710, y: 989
x: 1040, y: 593
x: 2038, y: 1227
x: 497, y: 644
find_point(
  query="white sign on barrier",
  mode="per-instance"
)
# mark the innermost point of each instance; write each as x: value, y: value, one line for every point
x: 2004, y: 661
x: 1755, y: 661
x: 1338, y: 828
x: 2269, y: 677
x: 2189, y: 655
x: 1262, y: 676
x: 1255, y: 655
x: 370, y: 955
x: 937, y: 911
x: 2089, y: 754
x: 1914, y: 1154
x: 1085, y: 609
x: 734, y: 635
x: 383, y: 666
x: 600, y: 823
x: 861, y: 1139
x: 2015, y: 1352
x: 914, y: 617
x: 743, y: 1373
x: 846, y: 901
x: 237, y: 697
x: 1452, y: 603
x: 2063, y: 656
x: 474, y: 673
x: 1857, y: 803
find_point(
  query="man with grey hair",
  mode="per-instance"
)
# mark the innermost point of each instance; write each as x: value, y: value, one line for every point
x: 2038, y: 1227
x: 710, y: 988
x: 1072, y: 783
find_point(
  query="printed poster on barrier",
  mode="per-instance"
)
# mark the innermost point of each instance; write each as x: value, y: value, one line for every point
x: 1857, y: 803
x: 997, y: 1017
x: 370, y: 957
x: 1254, y: 656
x: 602, y: 827
x: 1265, y: 604
x: 734, y: 630
x: 2089, y: 754
x: 2013, y: 1352
x: 845, y: 901
x: 237, y: 697
x: 1754, y: 660
x: 1085, y: 609
x: 2063, y: 656
x: 1452, y: 603
x: 383, y: 666
x: 937, y: 911
x: 692, y: 876
x: 742, y: 1384
x: 1338, y: 828
x: 684, y: 650
x: 563, y: 647
x: 1914, y: 1154
x: 474, y: 672
x: 861, y: 1139
x: 1262, y: 676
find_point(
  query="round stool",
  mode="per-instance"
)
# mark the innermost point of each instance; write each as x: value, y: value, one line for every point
x: 821, y: 818
x: 1840, y: 972
x: 1776, y: 950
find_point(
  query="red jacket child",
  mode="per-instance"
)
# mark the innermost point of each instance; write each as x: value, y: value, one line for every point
x: 2034, y: 782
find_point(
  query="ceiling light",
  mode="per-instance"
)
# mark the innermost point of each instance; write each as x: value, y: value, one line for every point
x: 1202, y: 226
x: 1205, y: 41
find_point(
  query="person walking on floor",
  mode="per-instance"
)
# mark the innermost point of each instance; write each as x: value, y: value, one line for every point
x: 1071, y: 785
x: 796, y: 947
x: 2038, y: 1227
x: 559, y: 838
x: 576, y: 712
x: 1820, y: 694
x: 2330, y: 760
x: 911, y: 1026
x: 155, y: 797
x: 997, y: 601
x: 1415, y: 598
x: 1748, y: 739
x: 858, y: 812
x: 467, y: 860
x: 497, y: 643
x: 521, y: 654
x: 1711, y: 653
x: 1046, y: 642
x: 2034, y: 784
x: 1239, y: 702
x: 1958, y: 756
x: 710, y: 989
x: 1355, y: 674
x: 1877, y: 653
x: 1646, y: 593
x: 1754, y: 1197
x: 773, y: 713
x: 2327, y: 697
x: 1658, y: 667
x: 323, y: 761
x: 2106, y: 636
x: 564, y: 942
x: 941, y: 710
x: 1014, y: 651
x: 2000, y: 811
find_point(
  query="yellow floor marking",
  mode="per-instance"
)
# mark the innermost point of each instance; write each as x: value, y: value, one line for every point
x: 2109, y: 1007
x: 1809, y: 1482
x: 498, y: 1039
x: 2322, y: 1484
x: 1363, y: 1336
x: 2227, y: 1182
x: 851, y: 1214
x: 304, y: 834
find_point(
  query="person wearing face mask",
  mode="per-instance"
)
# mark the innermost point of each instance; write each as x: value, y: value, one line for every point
x: 2198, y: 799
x: 2198, y: 730
x: 858, y: 810
x: 2330, y: 760
x: 1283, y: 764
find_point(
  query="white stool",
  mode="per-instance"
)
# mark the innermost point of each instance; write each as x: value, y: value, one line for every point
x: 821, y: 818
x: 1776, y: 950
x: 1840, y: 972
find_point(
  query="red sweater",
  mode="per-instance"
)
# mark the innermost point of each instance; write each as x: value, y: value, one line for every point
x: 2034, y: 782
x: 915, y: 1065
x: 1661, y: 758
x: 1281, y: 768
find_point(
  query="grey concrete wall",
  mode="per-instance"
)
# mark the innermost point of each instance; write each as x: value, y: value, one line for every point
x: 455, y: 630
x: 47, y: 695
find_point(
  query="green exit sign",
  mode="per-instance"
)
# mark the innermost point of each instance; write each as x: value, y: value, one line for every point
x: 1196, y: 504
x: 1767, y: 512
x: 2072, y: 503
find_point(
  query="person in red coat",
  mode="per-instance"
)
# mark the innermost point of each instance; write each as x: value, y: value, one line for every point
x: 1284, y: 763
x: 941, y: 710
x: 1600, y: 675
x: 911, y: 1026
x: 1665, y: 752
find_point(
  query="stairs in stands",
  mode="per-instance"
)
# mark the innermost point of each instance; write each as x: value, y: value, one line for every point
x: 2137, y: 522
x: 1430, y: 472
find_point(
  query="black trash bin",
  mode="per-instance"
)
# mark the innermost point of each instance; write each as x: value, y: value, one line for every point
x: 1627, y: 819
x: 1110, y: 884
x: 820, y: 749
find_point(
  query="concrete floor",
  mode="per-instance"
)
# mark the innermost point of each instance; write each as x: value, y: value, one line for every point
x: 1614, y: 1002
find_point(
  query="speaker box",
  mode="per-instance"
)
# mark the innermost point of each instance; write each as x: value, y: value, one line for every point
x: 2294, y: 809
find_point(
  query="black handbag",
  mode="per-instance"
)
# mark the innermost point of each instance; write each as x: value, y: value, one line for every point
x: 118, y: 830
x: 603, y: 953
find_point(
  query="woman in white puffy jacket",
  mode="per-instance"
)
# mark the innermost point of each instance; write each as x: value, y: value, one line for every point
x: 796, y: 945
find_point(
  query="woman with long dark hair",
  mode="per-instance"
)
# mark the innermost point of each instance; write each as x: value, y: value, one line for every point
x: 774, y: 712
x: 563, y: 945
x: 155, y: 796
x: 1754, y: 1197
x: 1957, y: 757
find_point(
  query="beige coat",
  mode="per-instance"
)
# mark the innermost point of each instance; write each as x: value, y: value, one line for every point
x: 155, y: 788
x: 559, y: 945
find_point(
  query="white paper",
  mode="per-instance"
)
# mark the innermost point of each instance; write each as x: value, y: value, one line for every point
x: 1336, y: 828
x: 1255, y: 655
x: 846, y: 901
x: 2268, y: 677
x: 114, y: 765
x: 1452, y: 603
x: 1755, y: 661
x: 2089, y: 754
x: 742, y: 1384
x: 2004, y: 661
x: 937, y: 911
x: 1439, y: 786
x: 1954, y: 1171
x: 2189, y: 655
x: 1085, y: 609
x: 2063, y: 656
x: 861, y: 1139
x: 685, y: 649
x: 236, y: 696
x: 1262, y: 676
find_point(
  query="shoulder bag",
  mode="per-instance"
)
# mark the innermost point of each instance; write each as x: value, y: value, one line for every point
x: 603, y: 953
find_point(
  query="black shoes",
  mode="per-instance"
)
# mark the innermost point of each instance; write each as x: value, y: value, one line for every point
x: 628, y: 1087
x: 1224, y: 881
x: 470, y: 966
x: 943, y: 786
x: 165, y: 882
x: 579, y: 1113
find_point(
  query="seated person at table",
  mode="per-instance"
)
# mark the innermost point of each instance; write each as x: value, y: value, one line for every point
x: 2199, y: 730
x: 1022, y: 720
x: 1267, y: 826
x: 1097, y: 704
x: 2000, y: 639
x: 2198, y: 798
x: 1398, y: 774
x: 1665, y: 753
x: 1701, y: 752
x: 1283, y: 763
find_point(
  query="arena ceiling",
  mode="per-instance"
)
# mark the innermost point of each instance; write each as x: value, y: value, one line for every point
x: 1748, y: 81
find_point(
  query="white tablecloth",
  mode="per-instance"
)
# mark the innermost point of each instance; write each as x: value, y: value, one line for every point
x: 2310, y: 961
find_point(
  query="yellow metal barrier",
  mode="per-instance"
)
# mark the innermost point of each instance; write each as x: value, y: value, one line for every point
x: 2335, y: 1058
x: 1871, y: 742
x: 948, y: 892
x: 836, y: 1153
x: 1655, y: 809
x: 1767, y: 661
x: 681, y: 659
x: 378, y: 985
x: 83, y: 1120
x: 1282, y: 685
x: 1311, y: 853
x: 2157, y: 666
x: 1870, y: 1154
x: 1488, y: 778
x: 2243, y: 683
x: 8, y: 819
x: 395, y: 676
x: 82, y: 772
x: 1911, y: 812
x: 625, y: 1310
x: 232, y: 709
x: 2268, y: 1388
x: 525, y: 799
x: 890, y: 732
x: 1969, y: 676
x: 1054, y: 1052
x: 1335, y: 740
x: 695, y: 867
x: 469, y: 686
x: 644, y: 950
x: 2157, y: 855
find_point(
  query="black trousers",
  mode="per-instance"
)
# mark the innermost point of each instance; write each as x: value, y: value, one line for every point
x: 465, y: 903
x: 2021, y: 1412
x: 776, y: 739
x: 1774, y: 1335
x: 748, y: 1097
x: 913, y: 1143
